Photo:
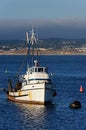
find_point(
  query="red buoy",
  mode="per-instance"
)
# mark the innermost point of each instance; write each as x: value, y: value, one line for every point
x: 81, y: 89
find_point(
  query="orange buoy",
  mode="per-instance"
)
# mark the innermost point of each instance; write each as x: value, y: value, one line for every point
x: 81, y: 89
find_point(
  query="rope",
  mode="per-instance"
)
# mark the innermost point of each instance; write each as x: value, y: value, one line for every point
x: 21, y: 67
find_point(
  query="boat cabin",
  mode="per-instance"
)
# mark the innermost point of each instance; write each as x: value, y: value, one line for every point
x: 38, y: 69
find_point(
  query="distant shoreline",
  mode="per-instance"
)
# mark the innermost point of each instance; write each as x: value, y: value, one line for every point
x: 42, y: 52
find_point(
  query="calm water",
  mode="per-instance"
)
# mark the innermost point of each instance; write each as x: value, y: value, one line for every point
x: 69, y: 72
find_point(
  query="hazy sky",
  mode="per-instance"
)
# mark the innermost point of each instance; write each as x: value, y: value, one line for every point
x: 51, y: 18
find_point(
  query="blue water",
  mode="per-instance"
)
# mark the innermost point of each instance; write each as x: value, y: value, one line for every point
x: 69, y: 72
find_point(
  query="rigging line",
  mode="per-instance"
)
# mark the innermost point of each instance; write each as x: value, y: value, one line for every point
x: 22, y: 65
x: 20, y: 69
x: 17, y: 74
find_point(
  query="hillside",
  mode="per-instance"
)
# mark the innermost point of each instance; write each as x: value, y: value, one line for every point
x: 47, y: 46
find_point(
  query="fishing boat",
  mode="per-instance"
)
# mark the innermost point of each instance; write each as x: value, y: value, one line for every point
x: 35, y: 86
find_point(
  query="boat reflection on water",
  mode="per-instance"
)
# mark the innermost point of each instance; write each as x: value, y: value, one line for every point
x: 36, y: 115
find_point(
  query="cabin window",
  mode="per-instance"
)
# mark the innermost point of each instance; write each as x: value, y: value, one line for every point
x: 45, y: 69
x: 35, y: 69
x: 31, y: 70
x: 40, y: 69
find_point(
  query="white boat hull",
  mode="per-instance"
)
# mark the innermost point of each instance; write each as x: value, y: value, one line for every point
x: 40, y: 93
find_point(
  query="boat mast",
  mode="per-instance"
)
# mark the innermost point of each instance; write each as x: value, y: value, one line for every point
x: 33, y: 41
x: 27, y: 41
